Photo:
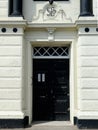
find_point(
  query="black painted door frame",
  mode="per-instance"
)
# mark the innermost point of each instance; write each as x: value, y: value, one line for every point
x: 51, y: 94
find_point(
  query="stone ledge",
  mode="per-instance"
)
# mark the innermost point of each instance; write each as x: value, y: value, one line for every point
x: 13, y: 22
x: 47, y: 25
x: 86, y: 21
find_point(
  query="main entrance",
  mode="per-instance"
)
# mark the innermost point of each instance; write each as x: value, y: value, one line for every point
x: 51, y: 89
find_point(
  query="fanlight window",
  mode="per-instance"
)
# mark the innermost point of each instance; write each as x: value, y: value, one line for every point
x: 51, y: 52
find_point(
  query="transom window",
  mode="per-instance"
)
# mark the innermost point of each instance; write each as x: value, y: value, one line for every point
x: 42, y: 52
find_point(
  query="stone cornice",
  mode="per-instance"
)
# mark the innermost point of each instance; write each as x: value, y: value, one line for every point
x: 54, y: 25
x: 20, y: 22
x: 13, y: 22
x: 86, y: 21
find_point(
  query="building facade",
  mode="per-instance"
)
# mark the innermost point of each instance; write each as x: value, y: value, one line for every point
x: 48, y: 62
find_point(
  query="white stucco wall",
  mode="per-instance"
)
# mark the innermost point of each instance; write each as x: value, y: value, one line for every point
x: 88, y: 74
x: 3, y: 8
x: 11, y: 88
x: 14, y: 61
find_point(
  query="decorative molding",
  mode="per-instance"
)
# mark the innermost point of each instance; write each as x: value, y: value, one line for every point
x: 11, y: 31
x: 52, y: 13
x: 86, y: 21
x: 51, y: 34
x: 13, y: 22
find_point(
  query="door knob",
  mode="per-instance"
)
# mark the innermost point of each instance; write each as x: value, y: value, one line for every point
x: 51, y: 91
x: 53, y: 97
x: 42, y: 96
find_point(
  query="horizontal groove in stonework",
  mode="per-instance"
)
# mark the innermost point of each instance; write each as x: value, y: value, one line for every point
x: 9, y: 99
x: 94, y: 66
x: 90, y: 45
x: 91, y: 78
x: 90, y: 56
x: 89, y: 89
x: 11, y: 56
x: 7, y: 89
x: 10, y: 66
x: 12, y: 100
x: 85, y: 77
x: 89, y: 100
x: 10, y: 76
x: 10, y: 45
x: 11, y: 88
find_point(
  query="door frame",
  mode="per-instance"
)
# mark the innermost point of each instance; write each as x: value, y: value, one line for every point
x: 29, y: 66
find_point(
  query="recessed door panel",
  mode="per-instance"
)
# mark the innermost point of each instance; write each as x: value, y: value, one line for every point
x: 51, y: 89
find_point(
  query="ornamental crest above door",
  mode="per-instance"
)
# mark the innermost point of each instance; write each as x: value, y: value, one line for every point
x: 52, y: 14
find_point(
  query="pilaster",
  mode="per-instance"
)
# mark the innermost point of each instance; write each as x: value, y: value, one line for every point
x: 87, y: 74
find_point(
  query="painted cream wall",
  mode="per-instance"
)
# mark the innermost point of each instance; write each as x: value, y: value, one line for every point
x: 95, y: 8
x: 87, y: 74
x: 3, y: 8
x: 11, y: 86
x: 15, y: 75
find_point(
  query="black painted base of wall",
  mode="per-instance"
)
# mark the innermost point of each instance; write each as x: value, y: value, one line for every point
x: 86, y: 124
x: 14, y: 123
x: 23, y: 123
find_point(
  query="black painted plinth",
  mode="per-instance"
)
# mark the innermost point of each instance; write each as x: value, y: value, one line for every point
x: 86, y: 8
x: 14, y: 123
x: 86, y: 123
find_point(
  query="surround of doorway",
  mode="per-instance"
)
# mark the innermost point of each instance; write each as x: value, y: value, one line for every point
x: 71, y: 84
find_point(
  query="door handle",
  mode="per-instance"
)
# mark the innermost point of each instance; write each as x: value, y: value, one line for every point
x: 43, y: 77
x: 53, y: 97
x: 51, y: 91
x: 39, y: 77
x: 42, y: 96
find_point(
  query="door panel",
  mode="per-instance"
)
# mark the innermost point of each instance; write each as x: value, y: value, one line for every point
x: 51, y: 89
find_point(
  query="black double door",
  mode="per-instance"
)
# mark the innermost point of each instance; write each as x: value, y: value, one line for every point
x: 51, y: 89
